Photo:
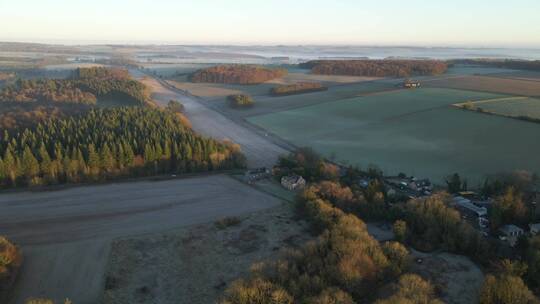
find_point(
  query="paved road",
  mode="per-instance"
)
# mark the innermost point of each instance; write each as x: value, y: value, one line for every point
x: 260, y: 151
x: 66, y: 234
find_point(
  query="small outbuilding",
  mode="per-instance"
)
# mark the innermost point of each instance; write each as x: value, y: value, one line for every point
x: 534, y: 229
x: 411, y: 84
x: 293, y: 182
x: 510, y: 234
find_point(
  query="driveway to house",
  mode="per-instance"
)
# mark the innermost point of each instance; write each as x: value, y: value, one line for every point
x: 66, y: 234
x: 259, y: 149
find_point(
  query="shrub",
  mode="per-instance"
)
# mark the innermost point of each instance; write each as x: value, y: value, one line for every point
x: 240, y: 101
x: 10, y: 262
x: 258, y: 291
x: 412, y: 289
x: 400, y: 230
x: 506, y: 289
x: 227, y: 222
x: 297, y: 88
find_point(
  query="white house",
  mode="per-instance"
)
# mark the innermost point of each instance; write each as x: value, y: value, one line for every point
x: 293, y: 182
x: 511, y: 234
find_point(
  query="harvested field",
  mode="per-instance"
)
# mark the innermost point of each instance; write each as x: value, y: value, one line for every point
x: 489, y: 84
x: 195, y: 265
x: 412, y: 131
x: 268, y: 104
x: 65, y: 235
x: 520, y: 75
x: 215, y: 91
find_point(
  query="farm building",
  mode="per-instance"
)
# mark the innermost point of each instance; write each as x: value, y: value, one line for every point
x: 293, y: 182
x: 256, y: 174
x: 511, y: 234
x: 467, y: 205
x: 534, y: 229
x: 411, y: 84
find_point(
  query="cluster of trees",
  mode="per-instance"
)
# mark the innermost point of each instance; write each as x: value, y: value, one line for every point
x: 343, y: 265
x: 237, y: 74
x: 5, y: 76
x: 507, y: 190
x: 10, y: 262
x: 432, y: 224
x: 106, y: 143
x: 46, y: 91
x: 24, y: 115
x: 306, y: 163
x: 240, y: 101
x: 297, y: 88
x: 533, y: 65
x: 86, y: 86
x: 377, y: 68
x: 505, y: 285
x: 111, y: 84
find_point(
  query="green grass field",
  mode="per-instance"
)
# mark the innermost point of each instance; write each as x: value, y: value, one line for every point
x: 416, y: 131
x: 513, y: 107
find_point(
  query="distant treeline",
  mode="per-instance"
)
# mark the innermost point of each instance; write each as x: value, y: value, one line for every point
x: 237, y: 74
x: 297, y: 88
x: 502, y: 63
x: 376, y: 68
x: 86, y: 86
x: 107, y: 143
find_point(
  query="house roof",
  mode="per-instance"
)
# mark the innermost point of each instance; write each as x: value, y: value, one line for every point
x: 507, y: 229
x: 534, y: 226
x: 291, y: 179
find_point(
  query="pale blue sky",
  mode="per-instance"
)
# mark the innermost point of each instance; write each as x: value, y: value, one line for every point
x: 504, y: 23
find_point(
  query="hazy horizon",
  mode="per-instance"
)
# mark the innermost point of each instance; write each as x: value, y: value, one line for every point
x: 385, y: 23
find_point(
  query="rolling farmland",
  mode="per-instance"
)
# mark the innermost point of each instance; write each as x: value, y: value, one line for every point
x: 417, y: 132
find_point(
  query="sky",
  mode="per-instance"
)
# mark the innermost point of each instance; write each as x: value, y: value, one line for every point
x: 462, y: 23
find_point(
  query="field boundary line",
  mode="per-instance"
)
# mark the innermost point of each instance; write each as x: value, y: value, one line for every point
x: 513, y: 98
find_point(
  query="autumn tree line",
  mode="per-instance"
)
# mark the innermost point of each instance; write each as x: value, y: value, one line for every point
x: 107, y: 143
x: 237, y: 74
x: 377, y: 68
x: 297, y: 88
x: 85, y: 86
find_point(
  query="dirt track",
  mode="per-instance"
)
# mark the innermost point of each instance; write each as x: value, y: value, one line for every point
x: 260, y: 151
x: 66, y: 235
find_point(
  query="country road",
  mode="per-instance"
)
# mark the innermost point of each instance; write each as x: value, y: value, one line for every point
x: 259, y: 150
x: 66, y: 235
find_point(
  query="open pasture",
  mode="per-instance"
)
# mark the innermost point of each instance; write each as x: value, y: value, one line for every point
x: 268, y: 104
x: 489, y: 84
x: 416, y: 131
x: 512, y: 107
